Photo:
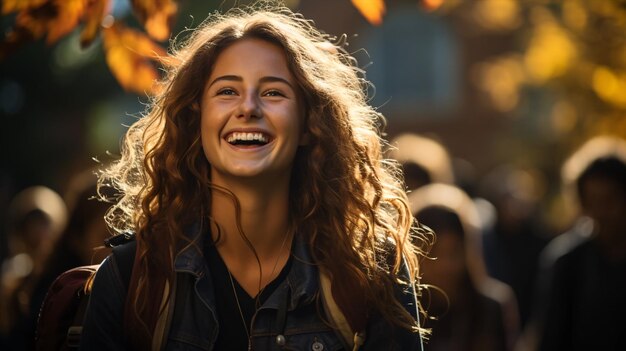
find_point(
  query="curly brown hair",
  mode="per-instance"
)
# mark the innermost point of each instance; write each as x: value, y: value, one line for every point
x: 346, y: 201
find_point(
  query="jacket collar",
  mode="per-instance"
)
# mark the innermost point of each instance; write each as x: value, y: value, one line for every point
x: 191, y: 258
x: 302, y: 279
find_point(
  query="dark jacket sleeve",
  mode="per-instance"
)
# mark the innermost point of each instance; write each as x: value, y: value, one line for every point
x: 104, y: 319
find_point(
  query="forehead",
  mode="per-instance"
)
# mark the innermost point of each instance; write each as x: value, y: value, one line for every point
x: 252, y: 56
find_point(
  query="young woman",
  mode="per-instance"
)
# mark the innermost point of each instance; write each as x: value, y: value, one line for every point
x: 264, y: 215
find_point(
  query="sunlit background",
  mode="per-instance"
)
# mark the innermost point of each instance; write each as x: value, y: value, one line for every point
x: 496, y: 81
x: 501, y: 84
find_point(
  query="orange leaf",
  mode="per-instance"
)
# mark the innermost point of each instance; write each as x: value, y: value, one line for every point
x: 70, y: 12
x: 26, y: 28
x: 35, y: 20
x: 57, y: 18
x: 431, y: 5
x: 372, y: 10
x: 9, y: 6
x: 156, y: 16
x: 93, y: 17
x: 130, y: 55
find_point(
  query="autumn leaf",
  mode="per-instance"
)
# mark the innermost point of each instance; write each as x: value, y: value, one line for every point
x: 372, y: 10
x: 431, y: 5
x: 68, y: 17
x: 131, y: 56
x: 93, y: 17
x: 56, y: 18
x: 9, y: 6
x: 36, y: 20
x: 156, y: 16
x: 31, y: 24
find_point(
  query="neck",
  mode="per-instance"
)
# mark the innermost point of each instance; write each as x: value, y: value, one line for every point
x: 263, y: 218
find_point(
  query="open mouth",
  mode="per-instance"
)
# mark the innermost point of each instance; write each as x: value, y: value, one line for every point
x: 248, y: 139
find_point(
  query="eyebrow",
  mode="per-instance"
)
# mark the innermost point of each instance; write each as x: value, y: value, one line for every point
x: 266, y: 79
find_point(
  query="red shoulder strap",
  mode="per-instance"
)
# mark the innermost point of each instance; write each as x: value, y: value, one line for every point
x: 61, y: 308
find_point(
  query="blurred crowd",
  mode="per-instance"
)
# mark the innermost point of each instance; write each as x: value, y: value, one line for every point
x: 498, y: 275
x: 47, y: 234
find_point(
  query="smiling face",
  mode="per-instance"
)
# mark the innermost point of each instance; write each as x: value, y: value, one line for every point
x: 251, y: 114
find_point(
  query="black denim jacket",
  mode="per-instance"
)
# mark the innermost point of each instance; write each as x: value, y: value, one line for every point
x: 290, y: 319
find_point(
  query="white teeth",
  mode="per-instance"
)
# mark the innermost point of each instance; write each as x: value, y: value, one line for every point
x: 239, y: 136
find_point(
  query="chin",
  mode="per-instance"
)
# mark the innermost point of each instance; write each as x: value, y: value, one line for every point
x: 244, y: 173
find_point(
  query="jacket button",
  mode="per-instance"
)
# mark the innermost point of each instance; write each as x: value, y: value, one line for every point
x: 280, y: 340
x: 317, y: 346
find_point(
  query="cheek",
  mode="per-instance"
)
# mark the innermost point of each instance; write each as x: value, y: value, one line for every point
x: 293, y: 120
x: 210, y: 124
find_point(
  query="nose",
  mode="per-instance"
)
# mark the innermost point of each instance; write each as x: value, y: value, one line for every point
x: 250, y: 107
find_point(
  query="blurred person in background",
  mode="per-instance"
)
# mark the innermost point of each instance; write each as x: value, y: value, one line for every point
x: 35, y: 218
x: 513, y: 242
x: 472, y: 311
x: 81, y: 243
x: 580, y: 303
x: 423, y: 160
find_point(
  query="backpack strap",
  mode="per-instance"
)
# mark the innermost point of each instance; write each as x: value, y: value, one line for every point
x: 351, y: 338
x: 125, y: 252
x: 163, y: 322
x: 75, y: 330
x: 60, y: 320
x: 124, y: 258
x: 172, y: 298
x: 354, y: 339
